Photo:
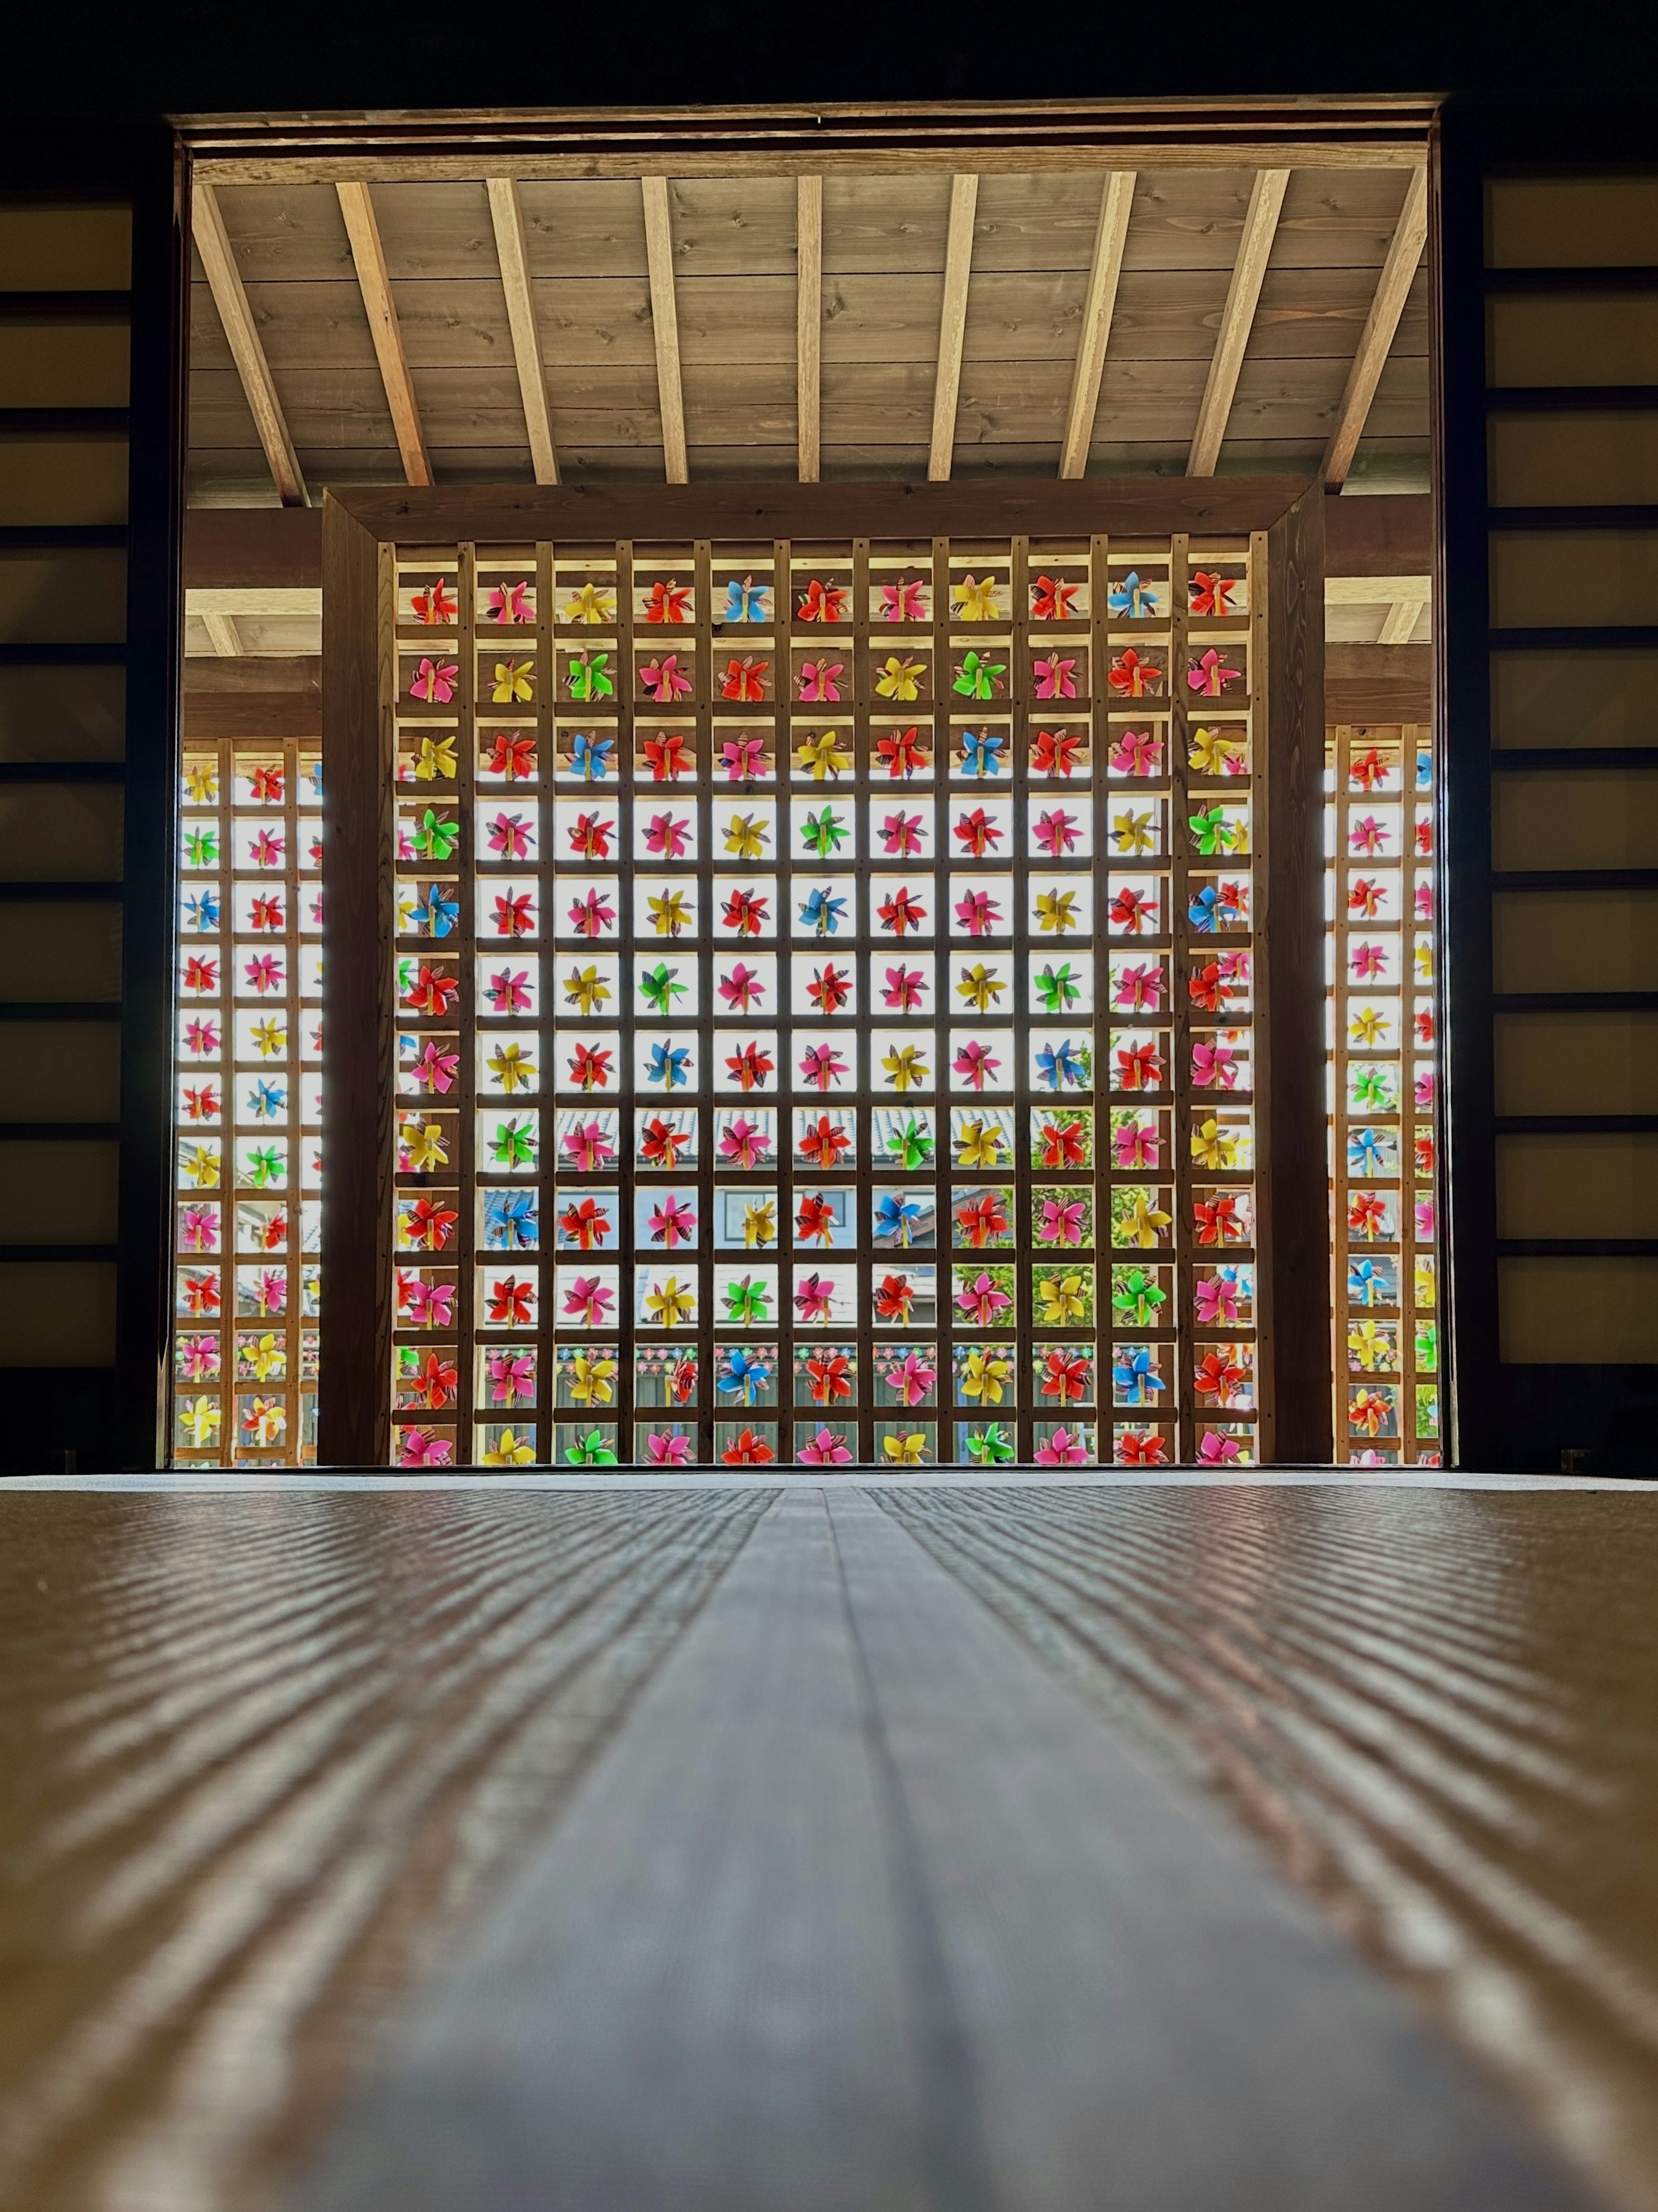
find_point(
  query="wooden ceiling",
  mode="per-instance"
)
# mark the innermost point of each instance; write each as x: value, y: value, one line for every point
x: 647, y: 303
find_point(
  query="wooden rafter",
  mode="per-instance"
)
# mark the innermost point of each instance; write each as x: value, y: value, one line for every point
x: 222, y: 634
x: 1116, y: 203
x: 363, y: 231
x: 1375, y: 339
x: 224, y: 282
x: 1399, y: 626
x: 508, y: 216
x: 952, y: 326
x: 1238, y: 318
x: 808, y: 323
x: 665, y: 319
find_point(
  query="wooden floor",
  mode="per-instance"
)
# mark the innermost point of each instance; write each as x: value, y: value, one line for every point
x: 1152, y: 1847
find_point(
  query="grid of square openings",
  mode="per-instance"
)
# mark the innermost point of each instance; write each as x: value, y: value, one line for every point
x: 247, y: 1145
x: 1380, y: 819
x: 769, y: 919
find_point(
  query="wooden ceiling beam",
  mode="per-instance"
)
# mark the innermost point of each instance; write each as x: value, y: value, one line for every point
x: 665, y: 320
x: 952, y: 326
x: 808, y: 323
x: 1116, y: 203
x: 364, y: 234
x: 508, y: 216
x: 1375, y: 339
x: 241, y: 335
x: 1237, y: 319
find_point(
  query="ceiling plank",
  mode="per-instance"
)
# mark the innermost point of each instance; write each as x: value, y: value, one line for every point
x: 364, y: 232
x: 1400, y: 626
x: 508, y: 216
x: 664, y: 319
x: 1238, y: 318
x: 1116, y: 203
x: 222, y: 634
x: 952, y: 325
x: 241, y: 335
x: 808, y: 322
x: 1375, y: 339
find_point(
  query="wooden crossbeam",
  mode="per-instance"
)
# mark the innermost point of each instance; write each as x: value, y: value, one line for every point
x: 952, y: 326
x: 508, y: 216
x: 808, y: 323
x: 664, y: 319
x: 1116, y: 202
x: 1238, y: 318
x: 1375, y: 339
x: 364, y: 232
x: 241, y: 335
x: 222, y: 634
x: 1400, y: 626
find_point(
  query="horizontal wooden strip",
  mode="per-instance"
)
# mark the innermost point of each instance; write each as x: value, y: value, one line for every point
x: 63, y: 656
x: 1519, y: 760
x: 1635, y: 278
x: 1575, y: 1002
x: 63, y: 771
x: 1571, y: 398
x: 64, y: 422
x: 1631, y: 517
x: 1616, y: 636
x: 50, y: 536
x: 1575, y: 879
x: 14, y: 1253
x: 69, y: 1132
x: 1577, y: 1248
x: 71, y: 892
x: 65, y: 307
x: 60, y: 1010
x: 1576, y: 1125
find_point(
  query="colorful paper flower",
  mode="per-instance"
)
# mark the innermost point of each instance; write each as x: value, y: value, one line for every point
x: 904, y: 752
x: 814, y: 1299
x: 824, y: 1142
x: 743, y: 1143
x: 905, y: 1066
x: 974, y: 1063
x: 660, y: 1144
x: 1063, y: 1449
x: 982, y: 1300
x: 978, y: 913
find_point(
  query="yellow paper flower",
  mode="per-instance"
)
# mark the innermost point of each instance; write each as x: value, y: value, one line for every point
x: 900, y: 679
x: 1424, y: 962
x: 1422, y: 1279
x: 980, y: 1145
x: 668, y: 914
x: 985, y: 1377
x: 436, y: 759
x: 822, y: 756
x: 1369, y: 1346
x: 200, y: 1420
x: 905, y: 1451
x: 515, y: 1066
x: 200, y: 1166
x: 1142, y: 1225
x: 980, y: 987
x: 1368, y: 1027
x: 1054, y: 911
x: 202, y: 783
x: 514, y: 683
x: 1131, y: 832
x: 591, y: 1380
x: 423, y: 1142
x: 590, y: 606
x: 669, y: 1306
x: 1061, y: 1300
x: 270, y: 1037
x: 905, y: 1066
x: 745, y: 837
x: 268, y: 1357
x: 510, y: 1449
x: 406, y: 905
x: 586, y: 989
x: 760, y: 1223
x: 1215, y: 752
x: 975, y: 600
x: 1213, y: 1146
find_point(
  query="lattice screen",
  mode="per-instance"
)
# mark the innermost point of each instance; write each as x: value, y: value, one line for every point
x: 827, y: 1039
x: 248, y: 1111
x: 1384, y: 1091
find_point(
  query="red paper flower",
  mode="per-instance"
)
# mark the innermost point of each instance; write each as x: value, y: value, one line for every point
x: 660, y: 1144
x: 1133, y: 677
x: 744, y: 679
x: 585, y: 1224
x: 267, y: 910
x: 1217, y: 1220
x: 981, y: 1219
x: 750, y: 1067
x: 904, y: 752
x: 202, y: 973
x: 829, y: 1376
x: 830, y: 987
x: 433, y: 606
x: 515, y: 917
x: 590, y: 837
x: 816, y: 1221
x: 1051, y: 600
x: 1054, y: 752
x: 667, y: 602
x: 430, y: 1223
x: 589, y: 1068
x: 978, y: 833
x: 1063, y: 1144
x: 902, y: 911
x: 1064, y: 1378
x: 436, y: 1383
x: 824, y: 1144
x: 748, y: 1450
x: 265, y: 786
x: 1136, y: 1448
x: 1367, y: 1216
x: 894, y: 1298
x: 745, y: 913
x: 513, y: 757
x: 1130, y: 912
x: 1209, y: 594
x: 202, y: 1293
x: 823, y: 603
x: 509, y: 1303
x: 432, y: 992
x: 1365, y: 897
x: 1219, y: 1378
x: 666, y: 756
x: 1138, y: 1067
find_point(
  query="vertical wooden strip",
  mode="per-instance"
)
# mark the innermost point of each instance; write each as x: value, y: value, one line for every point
x: 1291, y: 1184
x: 943, y: 1157
x: 701, y: 961
x: 212, y: 242
x: 364, y: 232
x: 664, y: 322
x: 1098, y: 802
x: 507, y: 214
x: 809, y: 321
x: 467, y: 1404
x: 1237, y: 319
x: 782, y: 602
x: 1099, y: 304
x: 863, y: 779
x: 952, y: 325
x: 546, y: 1168
x: 359, y: 1015
x: 1021, y: 1396
x: 1375, y: 339
x: 1339, y: 1117
x: 630, y: 1107
x: 1182, y: 950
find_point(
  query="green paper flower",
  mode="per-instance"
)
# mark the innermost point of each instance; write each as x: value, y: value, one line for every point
x: 590, y: 1450
x: 911, y: 1146
x: 1057, y: 988
x: 658, y: 988
x: 990, y: 1447
x: 436, y: 839
x: 510, y: 1146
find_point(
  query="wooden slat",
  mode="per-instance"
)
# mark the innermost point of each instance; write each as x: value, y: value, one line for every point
x: 952, y: 325
x: 222, y: 634
x: 213, y: 244
x: 665, y: 319
x: 509, y: 220
x: 1116, y: 204
x: 1237, y: 319
x: 809, y: 325
x: 363, y: 230
x: 1376, y: 341
x: 1341, y: 591
x: 1400, y: 626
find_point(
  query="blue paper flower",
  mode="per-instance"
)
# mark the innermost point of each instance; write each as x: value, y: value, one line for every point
x: 591, y: 756
x: 668, y: 1066
x: 893, y: 1214
x: 745, y: 601
x: 1135, y: 1374
x: 435, y: 914
x: 1131, y: 598
x: 980, y: 752
x: 821, y: 912
x: 202, y: 910
x: 265, y: 1100
x: 1365, y: 1151
x: 742, y: 1376
x: 510, y: 1220
x: 1372, y: 1282
x: 1060, y: 1064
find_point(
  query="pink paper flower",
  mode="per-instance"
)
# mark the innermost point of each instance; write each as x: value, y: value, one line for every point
x: 976, y: 1064
x: 431, y: 1306
x: 1211, y: 675
x: 1134, y: 1144
x: 744, y: 1144
x: 741, y: 988
x: 1062, y: 1448
x: 904, y: 988
x: 1218, y: 1298
x: 420, y: 1448
x: 509, y: 994
x: 664, y: 680
x: 592, y: 916
x: 588, y: 1146
x: 673, y: 1223
x: 1060, y: 1224
x: 982, y: 1300
x: 665, y: 835
x: 977, y: 912
x: 1055, y: 678
x: 742, y: 758
x: 508, y: 836
x: 589, y: 1300
x: 1139, y: 988
x: 434, y: 682
x: 668, y: 1452
x: 814, y: 1299
x: 1056, y: 832
x: 511, y: 1378
x: 820, y: 682
x: 912, y: 1380
x: 822, y: 1066
x: 824, y: 1449
x: 900, y: 834
x: 1217, y: 1450
x: 1137, y: 752
x: 1213, y: 1065
x: 434, y: 1070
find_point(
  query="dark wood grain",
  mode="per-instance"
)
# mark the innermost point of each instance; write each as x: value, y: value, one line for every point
x: 1378, y: 683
